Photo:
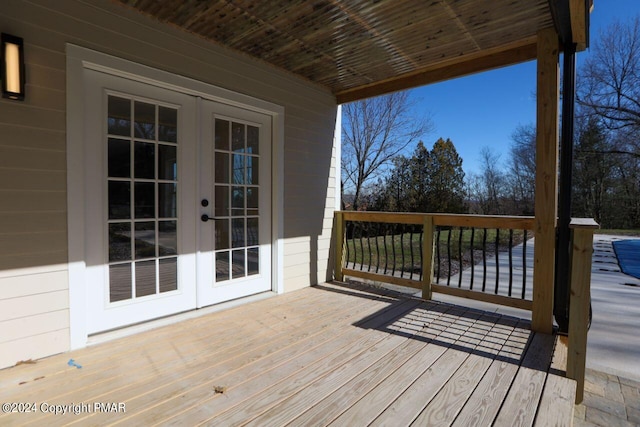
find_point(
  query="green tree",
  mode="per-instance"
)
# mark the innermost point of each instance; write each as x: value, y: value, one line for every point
x: 428, y: 181
x: 392, y: 194
x: 419, y: 178
x: 446, y: 190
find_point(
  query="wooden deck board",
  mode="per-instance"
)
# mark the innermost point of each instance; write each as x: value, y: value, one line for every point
x: 485, y: 400
x: 451, y: 368
x: 180, y: 333
x: 448, y: 403
x: 151, y: 393
x: 201, y: 403
x: 184, y: 349
x: 329, y: 355
x: 323, y: 396
x: 520, y: 405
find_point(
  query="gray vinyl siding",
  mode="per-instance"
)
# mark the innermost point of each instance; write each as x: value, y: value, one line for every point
x: 34, y: 308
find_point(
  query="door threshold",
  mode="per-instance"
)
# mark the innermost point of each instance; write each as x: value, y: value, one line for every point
x: 137, y: 328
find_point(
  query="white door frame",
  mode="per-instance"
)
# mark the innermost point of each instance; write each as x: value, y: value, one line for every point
x: 79, y: 59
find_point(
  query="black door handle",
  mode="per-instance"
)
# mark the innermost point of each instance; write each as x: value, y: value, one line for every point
x: 206, y: 218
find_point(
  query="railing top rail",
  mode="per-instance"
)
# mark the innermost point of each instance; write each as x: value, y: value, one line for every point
x: 460, y: 220
x: 485, y: 221
x: 389, y: 217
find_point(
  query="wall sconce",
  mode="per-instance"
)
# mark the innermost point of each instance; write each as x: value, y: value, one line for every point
x: 12, y: 67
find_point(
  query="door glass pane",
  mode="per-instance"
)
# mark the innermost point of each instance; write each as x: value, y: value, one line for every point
x: 168, y: 270
x: 222, y: 168
x: 167, y: 162
x: 237, y: 201
x: 237, y: 137
x: 145, y: 120
x: 119, y: 158
x: 167, y: 124
x: 168, y: 200
x: 119, y: 282
x: 222, y: 266
x: 222, y: 234
x: 120, y: 241
x: 145, y: 199
x: 252, y: 201
x: 238, y: 169
x: 237, y: 232
x: 238, y: 263
x: 253, y: 139
x: 145, y: 278
x: 253, y: 172
x: 253, y: 261
x: 145, y: 242
x: 221, y: 201
x: 119, y: 116
x: 252, y: 231
x: 222, y: 135
x: 167, y: 238
x: 119, y: 200
x: 144, y: 160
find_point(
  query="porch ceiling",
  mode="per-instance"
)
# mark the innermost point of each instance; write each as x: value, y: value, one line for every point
x: 363, y: 48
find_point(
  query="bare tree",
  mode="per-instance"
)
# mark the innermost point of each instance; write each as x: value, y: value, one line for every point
x: 609, y: 81
x: 522, y: 169
x: 493, y: 182
x: 375, y: 131
x: 607, y: 184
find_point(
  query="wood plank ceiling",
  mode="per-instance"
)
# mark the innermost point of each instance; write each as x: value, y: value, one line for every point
x: 361, y: 48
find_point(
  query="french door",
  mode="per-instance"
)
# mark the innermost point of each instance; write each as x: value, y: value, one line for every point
x: 235, y: 209
x: 154, y: 159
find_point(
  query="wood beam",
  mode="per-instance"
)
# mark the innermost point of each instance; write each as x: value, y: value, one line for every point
x: 458, y: 67
x: 546, y: 195
x: 578, y: 13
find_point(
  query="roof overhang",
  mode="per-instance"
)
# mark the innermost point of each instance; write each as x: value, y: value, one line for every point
x: 364, y: 48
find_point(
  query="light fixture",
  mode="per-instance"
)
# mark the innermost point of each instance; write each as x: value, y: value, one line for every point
x: 12, y: 67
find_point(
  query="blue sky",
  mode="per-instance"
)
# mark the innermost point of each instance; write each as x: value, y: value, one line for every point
x: 484, y: 109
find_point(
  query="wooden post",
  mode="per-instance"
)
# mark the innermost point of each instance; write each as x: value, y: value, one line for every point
x: 427, y: 256
x: 339, y: 242
x: 546, y: 195
x: 579, y: 304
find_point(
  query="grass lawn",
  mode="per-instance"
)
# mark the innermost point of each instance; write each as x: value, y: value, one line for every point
x: 403, y: 251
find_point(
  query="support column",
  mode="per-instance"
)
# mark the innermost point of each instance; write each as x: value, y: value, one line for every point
x: 546, y: 195
x: 427, y: 256
x: 563, y: 248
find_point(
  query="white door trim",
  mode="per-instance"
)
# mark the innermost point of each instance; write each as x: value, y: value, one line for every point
x: 79, y: 59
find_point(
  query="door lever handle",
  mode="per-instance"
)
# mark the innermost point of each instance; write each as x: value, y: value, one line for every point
x: 206, y: 218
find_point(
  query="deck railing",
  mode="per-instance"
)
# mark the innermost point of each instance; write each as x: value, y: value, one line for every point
x: 485, y: 258
x: 480, y: 257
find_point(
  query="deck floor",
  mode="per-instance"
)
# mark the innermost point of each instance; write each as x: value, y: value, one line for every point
x: 334, y: 354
